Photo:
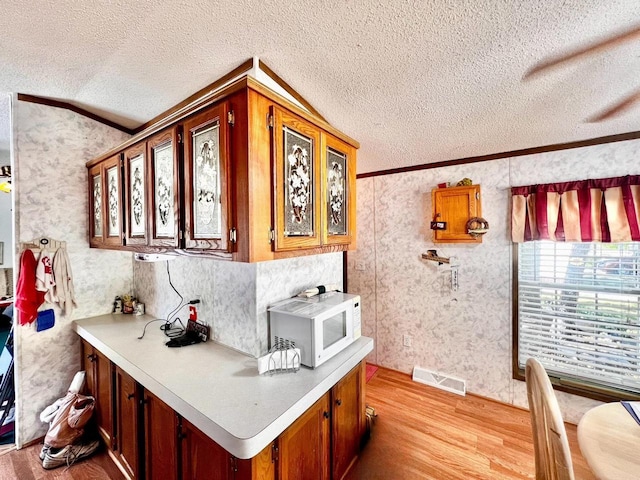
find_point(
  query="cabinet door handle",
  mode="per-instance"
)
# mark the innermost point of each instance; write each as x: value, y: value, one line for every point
x: 338, y: 402
x: 92, y: 357
x: 130, y: 396
x: 326, y: 414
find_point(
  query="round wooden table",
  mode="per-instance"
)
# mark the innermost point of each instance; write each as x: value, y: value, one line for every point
x: 609, y: 439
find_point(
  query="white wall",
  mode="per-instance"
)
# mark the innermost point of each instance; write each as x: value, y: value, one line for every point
x: 466, y: 333
x: 51, y: 147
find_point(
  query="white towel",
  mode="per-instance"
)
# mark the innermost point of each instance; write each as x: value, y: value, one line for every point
x: 45, y: 281
x: 63, y: 292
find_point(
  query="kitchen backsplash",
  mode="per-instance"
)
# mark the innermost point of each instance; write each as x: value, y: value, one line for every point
x: 234, y: 296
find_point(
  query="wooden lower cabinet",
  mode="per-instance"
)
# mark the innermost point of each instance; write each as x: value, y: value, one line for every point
x: 160, y: 439
x: 99, y: 384
x: 202, y: 457
x: 325, y: 441
x: 127, y: 424
x: 304, y: 447
x: 149, y: 440
x: 346, y: 422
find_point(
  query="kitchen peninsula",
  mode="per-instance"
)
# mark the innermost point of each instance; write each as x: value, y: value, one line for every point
x: 217, y: 392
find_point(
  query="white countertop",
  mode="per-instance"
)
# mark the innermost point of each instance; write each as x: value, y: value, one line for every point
x: 214, y: 387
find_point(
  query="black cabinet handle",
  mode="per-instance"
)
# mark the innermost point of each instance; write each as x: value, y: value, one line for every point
x: 130, y: 396
x: 326, y: 415
x: 338, y: 402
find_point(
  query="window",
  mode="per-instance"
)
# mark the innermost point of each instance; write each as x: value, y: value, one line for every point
x: 578, y: 313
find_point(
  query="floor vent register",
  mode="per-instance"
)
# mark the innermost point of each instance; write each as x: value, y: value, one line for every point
x: 439, y: 380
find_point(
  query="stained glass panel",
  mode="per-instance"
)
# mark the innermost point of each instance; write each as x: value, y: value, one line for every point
x: 336, y: 192
x: 97, y: 205
x: 163, y: 188
x: 206, y: 182
x: 298, y: 184
x: 136, y: 194
x: 113, y: 203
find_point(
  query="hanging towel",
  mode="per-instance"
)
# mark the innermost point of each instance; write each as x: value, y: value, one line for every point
x: 63, y: 292
x: 28, y: 299
x: 46, y: 320
x: 44, y: 275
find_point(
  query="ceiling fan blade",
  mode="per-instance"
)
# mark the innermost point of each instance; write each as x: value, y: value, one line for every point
x: 625, y: 104
x: 607, y: 43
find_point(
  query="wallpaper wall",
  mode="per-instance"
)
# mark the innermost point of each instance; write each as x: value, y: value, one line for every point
x: 234, y: 296
x: 467, y: 333
x: 50, y: 184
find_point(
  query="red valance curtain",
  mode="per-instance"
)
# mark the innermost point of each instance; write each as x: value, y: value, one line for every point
x: 601, y: 210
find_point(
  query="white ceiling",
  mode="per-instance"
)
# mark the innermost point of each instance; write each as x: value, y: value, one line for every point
x: 413, y: 81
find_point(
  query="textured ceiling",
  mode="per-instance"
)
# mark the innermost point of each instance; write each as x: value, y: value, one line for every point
x: 413, y: 81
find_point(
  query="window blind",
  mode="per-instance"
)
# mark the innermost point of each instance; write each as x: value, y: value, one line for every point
x: 579, y: 311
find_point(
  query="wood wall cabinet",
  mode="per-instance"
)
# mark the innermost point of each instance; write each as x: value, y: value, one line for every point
x: 261, y: 179
x: 455, y: 206
x: 164, y: 190
x: 105, y: 201
x: 208, y: 180
x: 297, y: 189
x: 136, y: 194
x: 338, y: 162
x: 314, y: 187
x: 99, y: 384
x: 152, y: 191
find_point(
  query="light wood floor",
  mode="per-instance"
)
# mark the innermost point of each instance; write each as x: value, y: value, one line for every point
x: 425, y: 433
x: 26, y: 465
x: 420, y: 433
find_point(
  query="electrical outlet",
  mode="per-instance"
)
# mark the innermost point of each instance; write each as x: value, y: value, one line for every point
x: 406, y: 340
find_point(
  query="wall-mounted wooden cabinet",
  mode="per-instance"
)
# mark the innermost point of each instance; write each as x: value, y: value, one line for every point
x: 315, y: 185
x: 152, y: 191
x: 208, y: 180
x: 455, y: 206
x: 261, y: 179
x: 339, y: 193
x: 105, y: 203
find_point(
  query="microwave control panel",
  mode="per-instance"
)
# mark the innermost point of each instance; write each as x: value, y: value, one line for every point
x: 357, y: 319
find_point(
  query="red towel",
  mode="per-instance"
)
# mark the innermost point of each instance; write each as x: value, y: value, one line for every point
x: 28, y: 299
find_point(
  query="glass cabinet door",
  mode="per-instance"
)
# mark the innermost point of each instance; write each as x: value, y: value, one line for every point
x: 164, y: 188
x: 208, y: 186
x: 296, y: 160
x: 336, y: 192
x: 95, y: 205
x: 112, y: 209
x: 339, y: 190
x: 135, y: 171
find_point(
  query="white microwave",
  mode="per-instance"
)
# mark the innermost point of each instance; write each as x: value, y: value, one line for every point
x: 320, y: 326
